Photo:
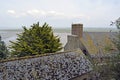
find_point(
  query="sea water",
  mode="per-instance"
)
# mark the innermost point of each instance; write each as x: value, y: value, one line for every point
x: 11, y: 35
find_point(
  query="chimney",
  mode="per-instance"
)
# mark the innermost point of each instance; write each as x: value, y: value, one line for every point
x: 77, y: 29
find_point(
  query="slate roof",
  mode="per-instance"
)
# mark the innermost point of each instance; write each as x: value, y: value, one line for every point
x: 99, y: 42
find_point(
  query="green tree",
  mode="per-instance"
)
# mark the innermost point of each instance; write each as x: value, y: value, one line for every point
x: 111, y: 69
x: 117, y: 39
x: 3, y: 49
x: 116, y: 60
x: 36, y: 40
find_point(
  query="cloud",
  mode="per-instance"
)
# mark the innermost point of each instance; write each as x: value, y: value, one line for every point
x: 36, y: 12
x: 15, y: 14
x: 41, y: 13
x: 46, y: 14
x: 54, y: 13
x: 11, y: 11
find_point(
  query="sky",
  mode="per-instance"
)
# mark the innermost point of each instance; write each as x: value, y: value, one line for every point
x: 58, y: 13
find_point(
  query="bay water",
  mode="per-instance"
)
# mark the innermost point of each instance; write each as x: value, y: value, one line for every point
x: 11, y: 35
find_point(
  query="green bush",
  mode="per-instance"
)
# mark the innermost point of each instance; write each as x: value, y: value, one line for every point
x: 110, y: 69
x: 35, y: 40
x: 3, y: 50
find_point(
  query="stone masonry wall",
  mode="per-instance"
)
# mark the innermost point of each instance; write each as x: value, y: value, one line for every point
x: 77, y: 29
x: 63, y: 66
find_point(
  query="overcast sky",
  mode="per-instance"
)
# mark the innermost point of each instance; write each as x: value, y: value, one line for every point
x: 58, y: 13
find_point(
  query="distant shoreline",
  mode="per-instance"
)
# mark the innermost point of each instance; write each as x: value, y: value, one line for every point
x: 68, y: 30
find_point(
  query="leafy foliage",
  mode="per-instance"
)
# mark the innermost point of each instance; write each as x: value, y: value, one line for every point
x: 3, y: 50
x: 116, y: 60
x: 36, y: 40
x: 110, y: 68
x: 117, y: 41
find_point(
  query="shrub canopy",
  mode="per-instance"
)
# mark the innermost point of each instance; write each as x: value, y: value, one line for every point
x: 3, y: 50
x: 35, y: 40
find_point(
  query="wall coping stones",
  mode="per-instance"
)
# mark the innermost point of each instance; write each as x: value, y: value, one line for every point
x: 29, y: 57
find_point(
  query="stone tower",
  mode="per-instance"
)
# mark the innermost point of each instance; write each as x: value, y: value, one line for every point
x: 77, y: 29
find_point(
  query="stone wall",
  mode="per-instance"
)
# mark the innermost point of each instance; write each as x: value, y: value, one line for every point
x: 77, y: 29
x: 76, y: 43
x: 72, y: 43
x: 63, y: 66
